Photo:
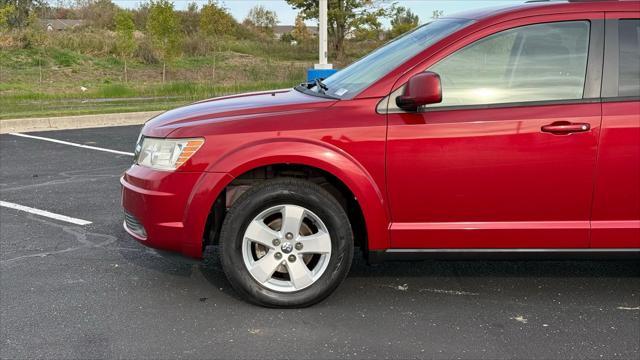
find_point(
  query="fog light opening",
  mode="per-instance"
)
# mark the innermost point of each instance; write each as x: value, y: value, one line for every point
x: 134, y: 226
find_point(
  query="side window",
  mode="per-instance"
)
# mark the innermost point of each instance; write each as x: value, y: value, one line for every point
x: 629, y: 59
x: 530, y: 63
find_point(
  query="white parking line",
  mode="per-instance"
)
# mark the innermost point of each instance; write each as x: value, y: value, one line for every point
x: 44, y: 213
x: 72, y: 144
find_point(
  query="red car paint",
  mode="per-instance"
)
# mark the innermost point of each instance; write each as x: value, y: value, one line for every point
x: 456, y: 178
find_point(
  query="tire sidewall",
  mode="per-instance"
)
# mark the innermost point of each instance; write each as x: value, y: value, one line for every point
x: 300, y: 193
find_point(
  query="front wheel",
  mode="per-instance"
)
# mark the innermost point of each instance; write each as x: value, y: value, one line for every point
x: 286, y: 243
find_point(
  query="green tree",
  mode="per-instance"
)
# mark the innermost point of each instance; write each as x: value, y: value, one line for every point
x: 18, y: 17
x: 164, y: 29
x: 287, y: 38
x: 34, y: 37
x: 215, y: 20
x: 402, y: 21
x: 262, y: 19
x: 33, y: 34
x: 126, y: 43
x: 344, y: 16
x: 368, y: 28
x: 7, y: 13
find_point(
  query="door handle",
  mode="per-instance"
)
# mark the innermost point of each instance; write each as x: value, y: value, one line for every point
x: 565, y: 127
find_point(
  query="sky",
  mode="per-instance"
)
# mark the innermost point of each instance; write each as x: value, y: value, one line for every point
x: 286, y: 14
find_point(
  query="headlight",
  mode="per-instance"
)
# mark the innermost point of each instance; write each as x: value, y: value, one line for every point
x: 166, y: 154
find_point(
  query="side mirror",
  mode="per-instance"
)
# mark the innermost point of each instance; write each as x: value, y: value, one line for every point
x: 422, y: 89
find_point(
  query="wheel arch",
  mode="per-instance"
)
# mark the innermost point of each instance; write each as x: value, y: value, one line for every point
x: 342, y: 171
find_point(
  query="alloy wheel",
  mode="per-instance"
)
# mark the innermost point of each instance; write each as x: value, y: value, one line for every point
x: 286, y: 248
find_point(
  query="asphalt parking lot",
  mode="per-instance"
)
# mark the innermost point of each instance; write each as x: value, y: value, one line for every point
x: 90, y: 291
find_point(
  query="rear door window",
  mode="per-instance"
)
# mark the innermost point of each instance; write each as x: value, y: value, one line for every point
x: 629, y: 59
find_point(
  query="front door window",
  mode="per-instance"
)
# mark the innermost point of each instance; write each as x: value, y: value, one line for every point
x: 539, y: 62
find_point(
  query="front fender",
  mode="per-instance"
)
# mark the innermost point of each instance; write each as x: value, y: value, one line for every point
x: 323, y: 156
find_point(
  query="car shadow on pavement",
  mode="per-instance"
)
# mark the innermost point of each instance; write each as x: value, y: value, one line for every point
x: 211, y: 269
x: 498, y: 268
x: 173, y: 264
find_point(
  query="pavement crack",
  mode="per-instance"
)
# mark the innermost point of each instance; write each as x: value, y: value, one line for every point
x: 449, y: 292
x: 405, y: 287
x: 81, y: 236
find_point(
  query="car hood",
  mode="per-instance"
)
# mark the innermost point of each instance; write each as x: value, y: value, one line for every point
x: 234, y: 107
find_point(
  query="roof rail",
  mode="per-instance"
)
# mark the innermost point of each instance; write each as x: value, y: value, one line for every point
x: 569, y: 1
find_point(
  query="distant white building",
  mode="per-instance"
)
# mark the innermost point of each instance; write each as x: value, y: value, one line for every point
x: 280, y: 30
x: 60, y: 24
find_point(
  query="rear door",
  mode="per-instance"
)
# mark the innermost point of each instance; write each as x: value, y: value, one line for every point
x: 616, y: 206
x: 507, y: 160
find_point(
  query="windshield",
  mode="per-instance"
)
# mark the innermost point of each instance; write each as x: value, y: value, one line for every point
x: 349, y: 81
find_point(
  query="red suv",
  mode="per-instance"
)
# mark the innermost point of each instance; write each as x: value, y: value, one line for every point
x: 510, y: 130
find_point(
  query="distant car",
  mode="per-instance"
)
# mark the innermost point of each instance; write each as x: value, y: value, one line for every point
x: 511, y: 130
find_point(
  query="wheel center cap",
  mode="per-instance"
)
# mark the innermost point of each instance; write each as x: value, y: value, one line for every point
x: 286, y: 247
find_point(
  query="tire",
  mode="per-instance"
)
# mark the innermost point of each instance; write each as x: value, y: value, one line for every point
x: 248, y: 254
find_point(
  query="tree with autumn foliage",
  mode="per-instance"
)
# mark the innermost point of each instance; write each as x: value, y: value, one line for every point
x: 300, y: 31
x: 345, y: 17
x: 216, y: 20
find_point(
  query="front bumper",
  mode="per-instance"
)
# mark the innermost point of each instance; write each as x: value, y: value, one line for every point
x: 169, y: 210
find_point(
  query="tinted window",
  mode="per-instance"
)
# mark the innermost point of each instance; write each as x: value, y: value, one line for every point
x: 629, y: 66
x: 531, y: 63
x: 362, y: 73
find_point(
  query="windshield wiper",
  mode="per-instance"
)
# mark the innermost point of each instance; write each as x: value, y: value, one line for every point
x: 322, y: 88
x: 305, y: 87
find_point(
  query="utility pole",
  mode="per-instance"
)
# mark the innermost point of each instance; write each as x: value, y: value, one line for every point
x: 323, y: 37
x: 322, y: 69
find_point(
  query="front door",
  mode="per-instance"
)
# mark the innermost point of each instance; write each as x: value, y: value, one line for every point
x: 507, y: 159
x: 616, y: 205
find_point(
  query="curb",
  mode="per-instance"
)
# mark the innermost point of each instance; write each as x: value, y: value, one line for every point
x: 75, y: 122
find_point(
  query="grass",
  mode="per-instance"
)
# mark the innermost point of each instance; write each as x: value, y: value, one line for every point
x: 116, y: 98
x: 78, y: 73
x: 65, y: 57
x: 65, y: 83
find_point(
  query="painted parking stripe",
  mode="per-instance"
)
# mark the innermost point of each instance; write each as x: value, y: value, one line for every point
x: 72, y: 144
x: 44, y: 213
